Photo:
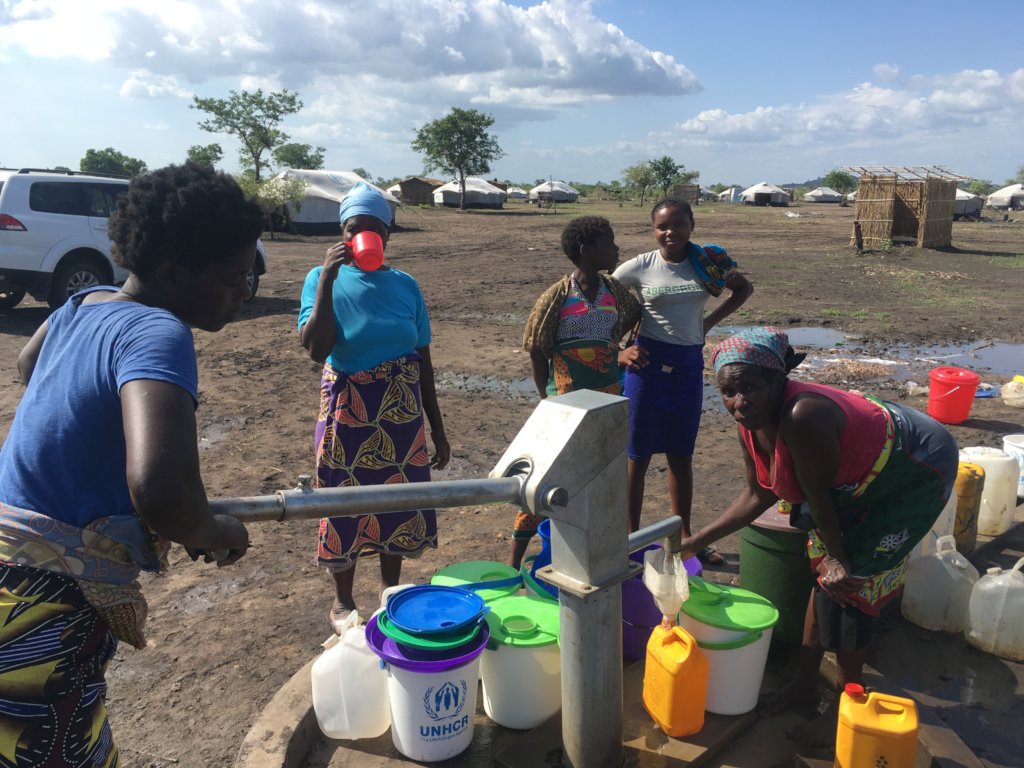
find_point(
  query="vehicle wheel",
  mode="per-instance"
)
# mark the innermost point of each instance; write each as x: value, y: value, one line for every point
x: 10, y: 297
x: 253, y: 279
x: 74, y: 275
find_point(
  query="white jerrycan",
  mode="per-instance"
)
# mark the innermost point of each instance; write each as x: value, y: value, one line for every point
x: 350, y: 688
x: 938, y: 588
x: 997, y: 613
x: 943, y: 525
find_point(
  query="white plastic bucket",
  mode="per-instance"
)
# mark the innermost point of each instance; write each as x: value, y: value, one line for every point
x: 999, y: 495
x: 522, y: 687
x: 1014, y: 445
x: 432, y: 714
x: 735, y: 671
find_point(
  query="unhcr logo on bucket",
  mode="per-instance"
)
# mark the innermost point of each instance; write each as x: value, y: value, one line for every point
x: 444, y: 702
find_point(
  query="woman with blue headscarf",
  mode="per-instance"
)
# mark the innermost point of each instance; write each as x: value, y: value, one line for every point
x: 371, y: 331
x: 871, y: 478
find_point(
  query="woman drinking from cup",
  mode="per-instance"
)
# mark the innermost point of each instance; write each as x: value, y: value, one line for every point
x: 370, y: 329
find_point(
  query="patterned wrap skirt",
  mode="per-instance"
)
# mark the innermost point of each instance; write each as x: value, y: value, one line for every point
x: 883, y: 520
x: 370, y: 431
x: 54, y: 651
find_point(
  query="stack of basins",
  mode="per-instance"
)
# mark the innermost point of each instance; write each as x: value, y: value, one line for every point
x: 430, y: 639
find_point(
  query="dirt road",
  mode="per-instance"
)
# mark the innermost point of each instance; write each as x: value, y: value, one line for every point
x: 223, y: 641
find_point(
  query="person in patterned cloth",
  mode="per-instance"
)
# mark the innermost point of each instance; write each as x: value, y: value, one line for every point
x: 372, y: 334
x: 872, y: 477
x: 574, y: 331
x: 100, y: 469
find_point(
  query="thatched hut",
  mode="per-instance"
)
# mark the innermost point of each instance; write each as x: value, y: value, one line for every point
x: 419, y: 190
x: 904, y: 205
x: 689, y: 193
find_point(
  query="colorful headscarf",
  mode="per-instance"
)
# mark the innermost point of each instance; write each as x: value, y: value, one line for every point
x: 766, y: 347
x: 364, y: 200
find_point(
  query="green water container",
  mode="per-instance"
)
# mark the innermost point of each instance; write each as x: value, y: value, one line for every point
x: 774, y: 564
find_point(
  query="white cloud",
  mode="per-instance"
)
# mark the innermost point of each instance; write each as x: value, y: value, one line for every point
x: 887, y: 73
x: 487, y: 51
x: 934, y: 104
x: 145, y: 85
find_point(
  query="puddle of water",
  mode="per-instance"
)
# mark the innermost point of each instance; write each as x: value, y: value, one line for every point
x: 799, y: 336
x: 470, y: 382
x: 997, y: 357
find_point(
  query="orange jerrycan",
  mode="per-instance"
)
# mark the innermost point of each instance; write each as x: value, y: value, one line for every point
x: 675, y: 681
x: 875, y: 729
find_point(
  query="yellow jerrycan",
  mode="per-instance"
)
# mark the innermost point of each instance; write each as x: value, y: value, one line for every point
x: 970, y: 483
x: 675, y: 681
x: 875, y: 730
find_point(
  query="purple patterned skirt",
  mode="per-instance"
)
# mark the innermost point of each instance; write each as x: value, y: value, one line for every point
x: 370, y: 432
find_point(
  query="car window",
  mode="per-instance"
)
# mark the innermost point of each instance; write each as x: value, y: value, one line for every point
x: 57, y: 197
x: 102, y: 198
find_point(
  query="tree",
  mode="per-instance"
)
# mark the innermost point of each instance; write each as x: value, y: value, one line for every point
x: 362, y: 173
x: 273, y: 195
x: 251, y: 117
x: 980, y: 187
x: 639, y: 177
x: 1018, y: 179
x: 459, y: 145
x: 209, y: 155
x: 840, y: 181
x: 302, y: 156
x: 668, y: 172
x: 111, y: 161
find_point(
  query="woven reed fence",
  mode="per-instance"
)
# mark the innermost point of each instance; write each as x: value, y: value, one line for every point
x: 891, y: 209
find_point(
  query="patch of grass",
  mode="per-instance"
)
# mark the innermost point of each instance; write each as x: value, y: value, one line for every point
x: 1013, y: 262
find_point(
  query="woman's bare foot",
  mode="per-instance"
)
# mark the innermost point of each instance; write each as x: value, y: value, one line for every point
x: 819, y: 733
x: 339, y: 614
x: 797, y: 692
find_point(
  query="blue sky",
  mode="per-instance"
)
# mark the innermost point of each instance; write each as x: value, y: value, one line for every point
x: 740, y: 91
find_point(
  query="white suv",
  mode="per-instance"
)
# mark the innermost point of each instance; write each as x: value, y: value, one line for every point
x: 53, y: 234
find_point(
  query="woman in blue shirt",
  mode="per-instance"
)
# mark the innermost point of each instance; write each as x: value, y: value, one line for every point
x: 100, y: 469
x: 371, y: 332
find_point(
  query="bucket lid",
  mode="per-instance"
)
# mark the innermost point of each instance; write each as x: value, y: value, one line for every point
x: 727, y: 607
x: 428, y: 609
x: 951, y: 375
x: 476, y: 571
x: 521, y: 621
x: 542, y: 590
x: 435, y: 642
x: 391, y: 652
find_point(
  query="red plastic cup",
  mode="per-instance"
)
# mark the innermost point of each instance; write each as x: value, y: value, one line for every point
x: 367, y: 250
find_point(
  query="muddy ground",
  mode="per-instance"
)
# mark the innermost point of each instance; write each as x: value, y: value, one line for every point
x: 223, y: 641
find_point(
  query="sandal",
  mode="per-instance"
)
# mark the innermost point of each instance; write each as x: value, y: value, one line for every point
x: 710, y: 556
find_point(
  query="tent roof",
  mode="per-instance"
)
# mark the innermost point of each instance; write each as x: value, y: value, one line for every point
x: 473, y: 184
x: 331, y: 185
x: 963, y: 194
x: 824, y: 191
x: 1014, y: 190
x: 554, y: 186
x: 762, y: 188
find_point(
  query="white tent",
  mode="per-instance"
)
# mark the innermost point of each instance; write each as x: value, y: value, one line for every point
x: 560, y: 192
x: 1011, y: 197
x: 823, y: 195
x: 395, y: 190
x: 966, y: 204
x: 764, y: 194
x: 707, y: 194
x: 516, y: 193
x: 479, y: 194
x: 730, y: 195
x: 318, y: 212
x: 852, y: 197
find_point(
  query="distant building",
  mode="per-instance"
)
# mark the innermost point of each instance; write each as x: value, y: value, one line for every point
x: 419, y: 190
